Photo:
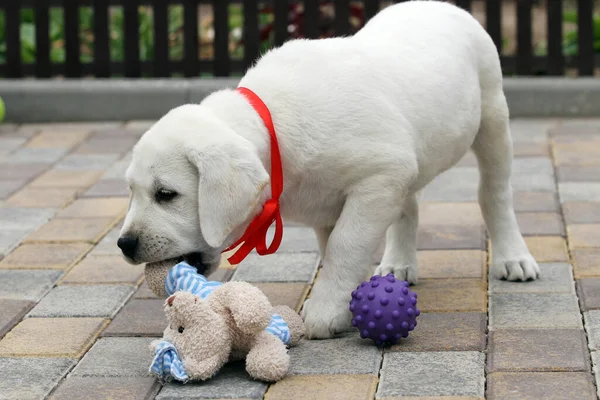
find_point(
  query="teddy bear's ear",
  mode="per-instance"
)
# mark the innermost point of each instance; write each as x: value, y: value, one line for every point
x: 170, y: 300
x: 250, y: 308
x: 190, y: 307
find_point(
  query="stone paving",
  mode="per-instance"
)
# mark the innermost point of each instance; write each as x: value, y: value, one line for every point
x: 76, y: 320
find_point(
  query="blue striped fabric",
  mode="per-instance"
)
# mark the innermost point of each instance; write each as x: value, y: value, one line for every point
x: 185, y: 277
x: 279, y: 328
x: 167, y: 364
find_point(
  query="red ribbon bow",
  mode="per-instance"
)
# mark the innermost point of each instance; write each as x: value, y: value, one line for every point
x: 255, y: 236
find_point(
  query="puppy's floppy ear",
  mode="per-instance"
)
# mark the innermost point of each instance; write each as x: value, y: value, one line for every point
x: 231, y: 180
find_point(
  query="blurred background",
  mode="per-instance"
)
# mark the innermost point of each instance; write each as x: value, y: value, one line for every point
x: 163, y: 38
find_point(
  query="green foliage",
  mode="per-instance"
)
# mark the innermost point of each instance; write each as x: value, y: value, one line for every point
x: 116, y: 33
x: 27, y: 32
x: 86, y: 35
x: 570, y: 47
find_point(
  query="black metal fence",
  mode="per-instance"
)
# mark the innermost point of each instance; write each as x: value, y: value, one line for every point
x: 163, y: 38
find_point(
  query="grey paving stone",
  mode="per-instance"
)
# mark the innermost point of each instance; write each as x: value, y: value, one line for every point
x: 127, y: 158
x: 8, y: 128
x: 533, y: 174
x: 86, y: 162
x: 457, y: 184
x: 537, y: 350
x: 296, y: 240
x: 7, y: 188
x: 453, y: 373
x: 530, y: 130
x: 11, y: 312
x: 284, y: 267
x: 347, y: 354
x: 447, y: 331
x: 10, y: 239
x: 21, y: 171
x: 581, y: 212
x: 108, y: 188
x: 596, y: 367
x: 83, y: 301
x: 468, y: 160
x: 592, y: 326
x: 579, y: 191
x: 119, y: 132
x: 117, y: 170
x: 450, y: 214
x: 40, y: 155
x: 99, y: 388
x: 72, y: 126
x: 8, y: 144
x: 27, y: 284
x: 588, y: 290
x: 536, y: 202
x: 571, y: 173
x: 27, y: 130
x: 450, y: 237
x: 533, y: 165
x: 139, y: 318
x: 139, y: 125
x: 535, y: 182
x: 117, y: 357
x: 14, y: 218
x: 533, y: 310
x: 108, y: 244
x: 535, y: 149
x: 540, y: 385
x: 144, y: 292
x: 554, y: 278
x: 101, y: 143
x: 576, y: 127
x: 31, y: 378
x: 232, y: 382
x: 541, y: 224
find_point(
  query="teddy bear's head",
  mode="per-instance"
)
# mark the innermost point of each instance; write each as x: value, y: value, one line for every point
x: 200, y: 335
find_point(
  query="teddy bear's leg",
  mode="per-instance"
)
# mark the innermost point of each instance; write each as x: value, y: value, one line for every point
x: 268, y: 360
x: 294, y: 322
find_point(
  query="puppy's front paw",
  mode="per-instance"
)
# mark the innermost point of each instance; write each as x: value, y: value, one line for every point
x: 407, y: 273
x: 523, y: 268
x: 323, y: 319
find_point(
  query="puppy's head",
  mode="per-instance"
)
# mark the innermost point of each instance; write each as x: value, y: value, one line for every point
x: 194, y: 184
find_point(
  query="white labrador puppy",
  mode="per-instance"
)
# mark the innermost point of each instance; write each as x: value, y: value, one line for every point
x: 363, y: 123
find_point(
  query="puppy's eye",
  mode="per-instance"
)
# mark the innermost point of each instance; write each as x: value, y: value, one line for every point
x: 165, y: 195
x: 180, y: 330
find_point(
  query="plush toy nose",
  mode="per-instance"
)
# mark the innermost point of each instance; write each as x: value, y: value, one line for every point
x: 170, y: 301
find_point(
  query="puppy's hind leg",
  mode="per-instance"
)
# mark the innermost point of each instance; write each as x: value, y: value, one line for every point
x: 400, y: 255
x: 511, y: 258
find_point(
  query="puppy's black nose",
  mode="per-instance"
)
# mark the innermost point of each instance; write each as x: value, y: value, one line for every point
x: 128, y: 245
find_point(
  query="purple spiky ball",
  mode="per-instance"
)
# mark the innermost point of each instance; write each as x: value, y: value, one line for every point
x: 384, y: 309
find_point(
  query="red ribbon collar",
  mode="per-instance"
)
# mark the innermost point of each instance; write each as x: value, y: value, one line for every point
x: 255, y: 236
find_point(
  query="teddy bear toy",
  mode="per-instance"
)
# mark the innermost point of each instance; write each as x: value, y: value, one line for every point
x: 211, y: 323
